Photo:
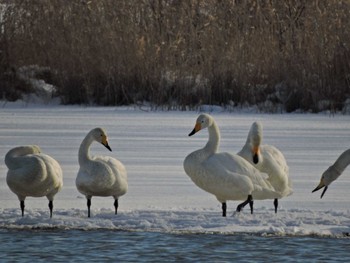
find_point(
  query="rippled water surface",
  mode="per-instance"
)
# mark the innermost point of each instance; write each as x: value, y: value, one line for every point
x: 122, y: 246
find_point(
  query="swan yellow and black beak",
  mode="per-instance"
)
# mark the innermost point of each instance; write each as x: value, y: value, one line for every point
x: 104, y: 142
x: 321, y: 185
x: 256, y: 154
x: 196, y: 128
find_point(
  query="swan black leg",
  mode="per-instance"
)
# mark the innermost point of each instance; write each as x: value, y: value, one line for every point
x: 251, y: 203
x: 116, y: 204
x: 89, y: 205
x: 22, y: 207
x: 51, y: 207
x: 248, y: 201
x: 275, y: 203
x: 224, y: 207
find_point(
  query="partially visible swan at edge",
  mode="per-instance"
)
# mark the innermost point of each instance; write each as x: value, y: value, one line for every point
x: 32, y: 173
x: 227, y: 176
x: 267, y: 159
x: 334, y: 171
x: 100, y: 175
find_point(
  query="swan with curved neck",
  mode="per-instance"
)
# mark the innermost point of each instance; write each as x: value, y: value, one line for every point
x: 100, y: 175
x: 267, y: 159
x: 227, y: 176
x: 32, y: 173
x: 334, y: 171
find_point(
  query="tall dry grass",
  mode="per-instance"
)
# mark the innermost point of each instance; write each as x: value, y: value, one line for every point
x: 179, y: 54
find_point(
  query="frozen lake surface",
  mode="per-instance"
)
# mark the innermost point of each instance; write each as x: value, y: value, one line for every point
x: 163, y: 204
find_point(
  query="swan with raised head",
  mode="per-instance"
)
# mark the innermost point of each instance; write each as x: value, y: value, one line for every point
x: 267, y: 159
x: 100, y: 175
x: 227, y: 176
x: 32, y: 173
x: 334, y: 171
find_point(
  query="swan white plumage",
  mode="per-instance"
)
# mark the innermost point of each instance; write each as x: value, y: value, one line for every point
x: 334, y: 171
x: 32, y: 173
x: 267, y: 159
x: 100, y: 175
x: 227, y: 176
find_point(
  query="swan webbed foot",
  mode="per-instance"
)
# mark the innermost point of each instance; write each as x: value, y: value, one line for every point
x: 275, y: 203
x: 116, y: 204
x: 22, y: 207
x: 51, y: 207
x: 224, y: 207
x: 242, y: 205
x: 88, y: 205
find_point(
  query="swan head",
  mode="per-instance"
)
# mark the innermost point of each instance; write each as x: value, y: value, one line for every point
x: 203, y: 121
x: 29, y: 149
x: 254, y: 139
x: 100, y: 136
x: 320, y: 186
x: 327, y: 177
x: 35, y: 149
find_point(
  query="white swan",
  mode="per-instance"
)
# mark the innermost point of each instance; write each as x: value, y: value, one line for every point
x: 32, y: 173
x: 100, y: 175
x: 267, y: 159
x: 334, y: 171
x: 227, y: 176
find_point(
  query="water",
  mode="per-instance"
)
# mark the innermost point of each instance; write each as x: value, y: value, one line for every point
x: 123, y: 246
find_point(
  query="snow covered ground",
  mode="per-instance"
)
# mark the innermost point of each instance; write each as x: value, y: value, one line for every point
x: 161, y: 197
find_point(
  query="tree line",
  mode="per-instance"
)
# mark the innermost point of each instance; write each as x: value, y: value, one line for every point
x: 180, y: 54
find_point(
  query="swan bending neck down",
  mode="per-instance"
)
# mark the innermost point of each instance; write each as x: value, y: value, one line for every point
x: 334, y: 171
x: 251, y: 149
x: 100, y: 175
x: 32, y: 173
x: 267, y: 159
x: 227, y: 176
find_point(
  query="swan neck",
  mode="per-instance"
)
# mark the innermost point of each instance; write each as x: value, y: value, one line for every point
x: 214, y: 139
x: 342, y: 162
x: 255, y: 135
x: 84, y: 150
x: 14, y: 157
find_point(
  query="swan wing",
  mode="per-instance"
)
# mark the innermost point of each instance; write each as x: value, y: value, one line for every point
x: 101, y: 177
x: 237, y: 178
x: 116, y: 166
x: 95, y: 178
x: 119, y: 171
x: 228, y: 173
x: 25, y: 178
x: 275, y: 165
x: 52, y: 175
x: 37, y: 175
x: 275, y: 156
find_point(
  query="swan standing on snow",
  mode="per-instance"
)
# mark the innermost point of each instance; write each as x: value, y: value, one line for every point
x: 100, y: 175
x: 32, y: 173
x: 334, y: 171
x: 267, y: 159
x: 227, y: 176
